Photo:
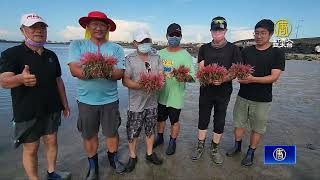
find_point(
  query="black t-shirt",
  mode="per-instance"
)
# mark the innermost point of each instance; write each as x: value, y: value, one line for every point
x: 224, y: 56
x: 30, y: 102
x: 263, y: 62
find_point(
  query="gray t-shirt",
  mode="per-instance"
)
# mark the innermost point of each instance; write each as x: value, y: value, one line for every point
x: 139, y: 99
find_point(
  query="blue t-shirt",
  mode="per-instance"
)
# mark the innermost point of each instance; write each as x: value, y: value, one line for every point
x: 96, y: 91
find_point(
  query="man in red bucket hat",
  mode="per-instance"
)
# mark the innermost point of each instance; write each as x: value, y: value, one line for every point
x: 98, y: 100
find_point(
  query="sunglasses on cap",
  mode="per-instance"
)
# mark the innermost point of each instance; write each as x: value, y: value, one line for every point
x: 148, y: 66
x: 219, y: 21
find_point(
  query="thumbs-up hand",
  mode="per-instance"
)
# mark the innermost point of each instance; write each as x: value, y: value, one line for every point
x: 28, y: 79
x: 26, y: 70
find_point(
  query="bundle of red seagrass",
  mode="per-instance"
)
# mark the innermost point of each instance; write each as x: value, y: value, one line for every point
x: 151, y: 82
x: 181, y: 74
x: 96, y: 65
x: 213, y: 72
x: 240, y: 70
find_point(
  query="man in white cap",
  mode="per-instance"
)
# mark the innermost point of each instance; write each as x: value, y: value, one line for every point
x: 33, y: 74
x: 142, y: 107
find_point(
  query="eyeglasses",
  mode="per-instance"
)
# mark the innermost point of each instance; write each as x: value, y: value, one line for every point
x: 262, y: 34
x: 96, y: 25
x: 148, y: 66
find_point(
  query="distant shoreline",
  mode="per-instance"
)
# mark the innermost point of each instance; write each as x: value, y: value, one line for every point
x: 193, y: 50
x: 303, y: 57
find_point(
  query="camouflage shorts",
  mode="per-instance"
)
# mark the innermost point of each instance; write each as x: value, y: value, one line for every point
x: 137, y: 120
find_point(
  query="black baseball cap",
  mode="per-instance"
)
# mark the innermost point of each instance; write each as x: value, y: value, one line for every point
x: 174, y: 28
x: 218, y: 23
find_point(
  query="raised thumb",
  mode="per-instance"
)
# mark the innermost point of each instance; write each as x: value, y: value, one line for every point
x: 26, y: 69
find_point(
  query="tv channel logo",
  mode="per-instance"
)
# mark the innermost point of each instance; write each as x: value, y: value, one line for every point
x: 279, y: 154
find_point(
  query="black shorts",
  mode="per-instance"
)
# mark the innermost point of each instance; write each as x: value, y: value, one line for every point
x: 31, y: 131
x: 164, y: 112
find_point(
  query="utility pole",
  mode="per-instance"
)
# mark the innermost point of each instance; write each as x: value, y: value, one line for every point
x: 298, y: 27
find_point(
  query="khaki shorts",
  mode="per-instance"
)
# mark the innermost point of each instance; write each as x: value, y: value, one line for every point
x: 251, y: 114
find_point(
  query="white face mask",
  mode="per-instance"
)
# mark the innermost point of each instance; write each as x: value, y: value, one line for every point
x: 144, y: 48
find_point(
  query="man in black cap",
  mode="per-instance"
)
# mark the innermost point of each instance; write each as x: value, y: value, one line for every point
x: 253, y: 103
x: 171, y: 97
x: 224, y: 53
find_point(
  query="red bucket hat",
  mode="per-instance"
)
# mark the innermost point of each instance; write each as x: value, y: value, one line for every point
x: 97, y: 15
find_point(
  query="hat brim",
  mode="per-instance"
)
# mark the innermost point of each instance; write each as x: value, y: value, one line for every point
x: 218, y: 27
x: 84, y: 21
x: 34, y: 22
x: 174, y: 32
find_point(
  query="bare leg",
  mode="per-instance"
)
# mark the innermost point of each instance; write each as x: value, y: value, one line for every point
x: 51, y: 150
x: 132, y: 148
x: 238, y: 133
x: 112, y: 143
x: 30, y: 159
x: 254, y: 139
x: 149, y: 142
x: 175, y: 128
x: 216, y: 137
x: 161, y: 126
x: 202, y: 134
x: 91, y: 145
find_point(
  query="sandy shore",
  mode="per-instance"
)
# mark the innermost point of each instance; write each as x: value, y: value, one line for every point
x: 294, y: 121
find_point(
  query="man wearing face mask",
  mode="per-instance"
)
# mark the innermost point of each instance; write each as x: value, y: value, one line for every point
x: 171, y: 97
x: 142, y: 107
x: 216, y: 96
x: 33, y: 74
x: 98, y: 100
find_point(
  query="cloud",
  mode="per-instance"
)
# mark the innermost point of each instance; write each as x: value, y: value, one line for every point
x: 125, y: 29
x: 10, y: 35
x: 191, y: 33
x: 122, y: 33
x: 5, y: 34
x: 196, y: 33
x: 72, y: 32
x: 240, y: 33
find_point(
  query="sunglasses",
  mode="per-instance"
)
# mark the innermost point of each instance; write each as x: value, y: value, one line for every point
x: 148, y: 66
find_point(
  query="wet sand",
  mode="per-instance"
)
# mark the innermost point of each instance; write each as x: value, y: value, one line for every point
x: 294, y: 120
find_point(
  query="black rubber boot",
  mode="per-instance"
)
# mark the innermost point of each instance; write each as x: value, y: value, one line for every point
x: 248, y: 160
x: 235, y: 150
x: 131, y: 164
x: 153, y: 158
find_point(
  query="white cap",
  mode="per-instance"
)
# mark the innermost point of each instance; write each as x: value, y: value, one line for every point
x: 141, y: 34
x: 30, y: 19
